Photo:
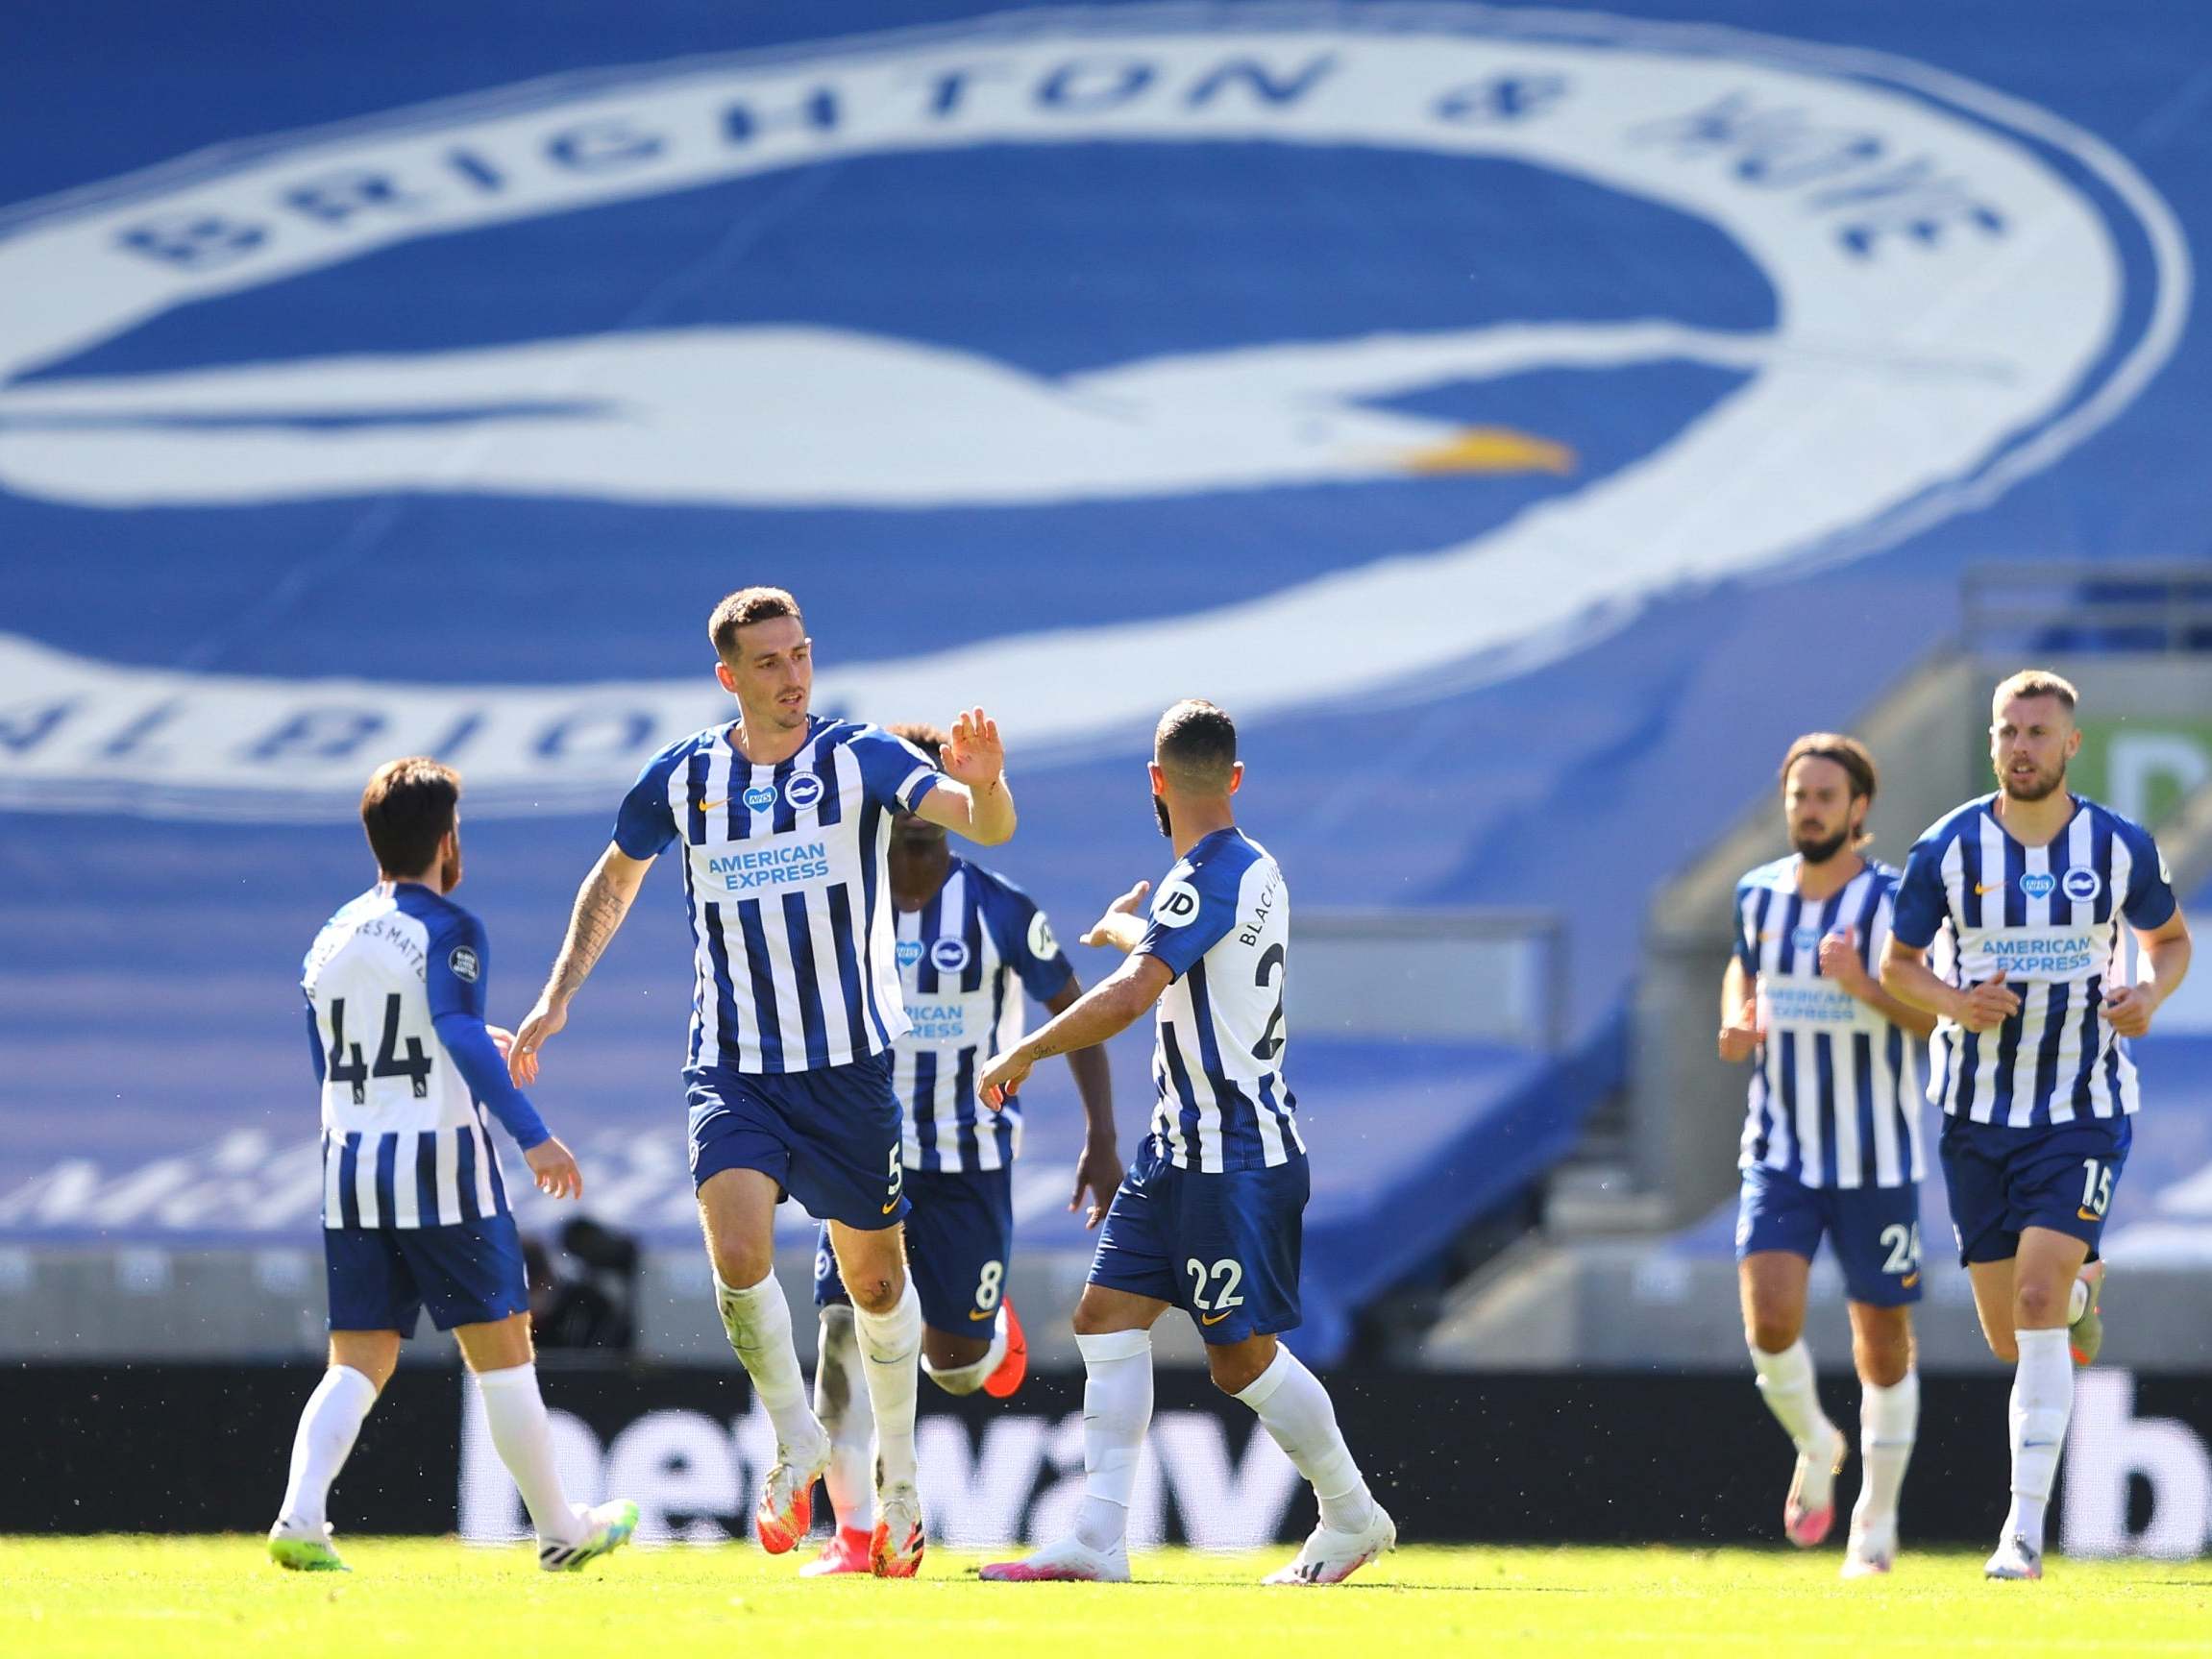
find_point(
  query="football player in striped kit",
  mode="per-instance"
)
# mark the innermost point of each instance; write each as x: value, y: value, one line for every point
x: 1209, y: 1217
x: 969, y: 944
x: 414, y: 1204
x: 1831, y: 1142
x: 783, y: 817
x: 2031, y: 886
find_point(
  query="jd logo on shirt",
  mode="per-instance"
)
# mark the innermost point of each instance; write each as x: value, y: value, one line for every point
x: 2082, y: 886
x: 909, y: 952
x: 2038, y: 884
x: 948, y: 955
x: 759, y: 799
x: 801, y: 789
x: 1176, y: 904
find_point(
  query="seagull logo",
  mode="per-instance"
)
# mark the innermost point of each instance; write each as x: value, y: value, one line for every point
x: 1506, y: 518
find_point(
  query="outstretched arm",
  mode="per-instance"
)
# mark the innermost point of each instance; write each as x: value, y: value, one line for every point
x: 601, y: 904
x: 971, y: 798
x: 1106, y: 1010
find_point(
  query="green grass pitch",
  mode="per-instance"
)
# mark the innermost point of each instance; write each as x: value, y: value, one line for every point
x: 219, y: 1599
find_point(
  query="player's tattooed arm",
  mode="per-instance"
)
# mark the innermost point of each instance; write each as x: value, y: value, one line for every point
x: 1107, y: 1008
x: 601, y: 904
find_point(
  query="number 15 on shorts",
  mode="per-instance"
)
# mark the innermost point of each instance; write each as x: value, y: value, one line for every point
x: 1214, y: 1289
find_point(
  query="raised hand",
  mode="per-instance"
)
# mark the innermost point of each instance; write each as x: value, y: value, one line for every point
x: 1740, y: 1041
x: 1989, y: 1005
x: 542, y: 1022
x: 553, y: 1168
x: 972, y: 752
x: 1129, y: 904
x: 2128, y: 1009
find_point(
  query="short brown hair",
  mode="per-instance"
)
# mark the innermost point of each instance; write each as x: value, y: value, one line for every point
x: 742, y: 609
x: 1197, y: 742
x: 1849, y: 753
x: 928, y: 739
x: 408, y: 808
x: 2034, y: 683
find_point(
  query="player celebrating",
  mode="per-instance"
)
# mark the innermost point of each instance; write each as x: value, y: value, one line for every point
x: 970, y: 942
x: 2031, y: 1062
x: 784, y: 817
x: 1208, y: 1217
x: 414, y: 1207
x: 1832, y: 1143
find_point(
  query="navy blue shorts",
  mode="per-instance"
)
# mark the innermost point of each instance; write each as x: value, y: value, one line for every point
x: 828, y: 1137
x: 959, y: 1238
x: 1875, y: 1231
x: 381, y: 1278
x: 1222, y: 1247
x: 2002, y: 1180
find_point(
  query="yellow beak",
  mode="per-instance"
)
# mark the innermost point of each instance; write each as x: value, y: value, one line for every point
x: 1492, y: 449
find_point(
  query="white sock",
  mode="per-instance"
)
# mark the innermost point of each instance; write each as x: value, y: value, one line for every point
x: 968, y: 1378
x: 2042, y: 1401
x: 1888, y: 1419
x: 757, y: 1320
x: 840, y: 1402
x: 515, y: 1412
x: 329, y: 1425
x: 1295, y: 1410
x: 1793, y: 1394
x: 1117, y: 1410
x: 892, y: 1345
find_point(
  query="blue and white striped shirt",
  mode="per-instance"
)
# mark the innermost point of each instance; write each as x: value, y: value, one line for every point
x: 1221, y: 925
x: 395, y: 989
x: 963, y: 960
x: 2048, y: 917
x: 785, y: 870
x: 1835, y: 1085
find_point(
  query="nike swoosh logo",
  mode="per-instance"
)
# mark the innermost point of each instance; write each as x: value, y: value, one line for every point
x: 1214, y: 1319
x: 986, y: 1313
x: 2088, y: 1215
x: 709, y: 806
x: 1980, y: 888
x: 1909, y: 1281
x: 892, y: 1206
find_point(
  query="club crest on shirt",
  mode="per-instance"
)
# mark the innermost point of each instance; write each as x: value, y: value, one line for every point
x: 801, y: 789
x: 2082, y: 886
x: 2038, y: 884
x: 949, y: 955
x: 1805, y: 938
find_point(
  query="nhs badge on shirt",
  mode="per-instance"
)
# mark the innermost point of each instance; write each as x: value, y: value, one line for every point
x: 2038, y: 884
x: 909, y: 953
x: 759, y: 799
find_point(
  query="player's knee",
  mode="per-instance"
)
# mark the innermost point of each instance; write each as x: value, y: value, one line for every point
x: 1771, y: 1333
x: 2038, y: 1306
x: 741, y: 1266
x: 875, y: 1292
x: 1236, y: 1368
x: 1883, y: 1360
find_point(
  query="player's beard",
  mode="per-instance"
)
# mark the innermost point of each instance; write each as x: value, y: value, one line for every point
x: 1159, y: 812
x: 2044, y: 786
x: 1820, y: 851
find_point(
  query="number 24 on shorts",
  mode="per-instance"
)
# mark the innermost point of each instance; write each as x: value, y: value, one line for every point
x: 1224, y: 1279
